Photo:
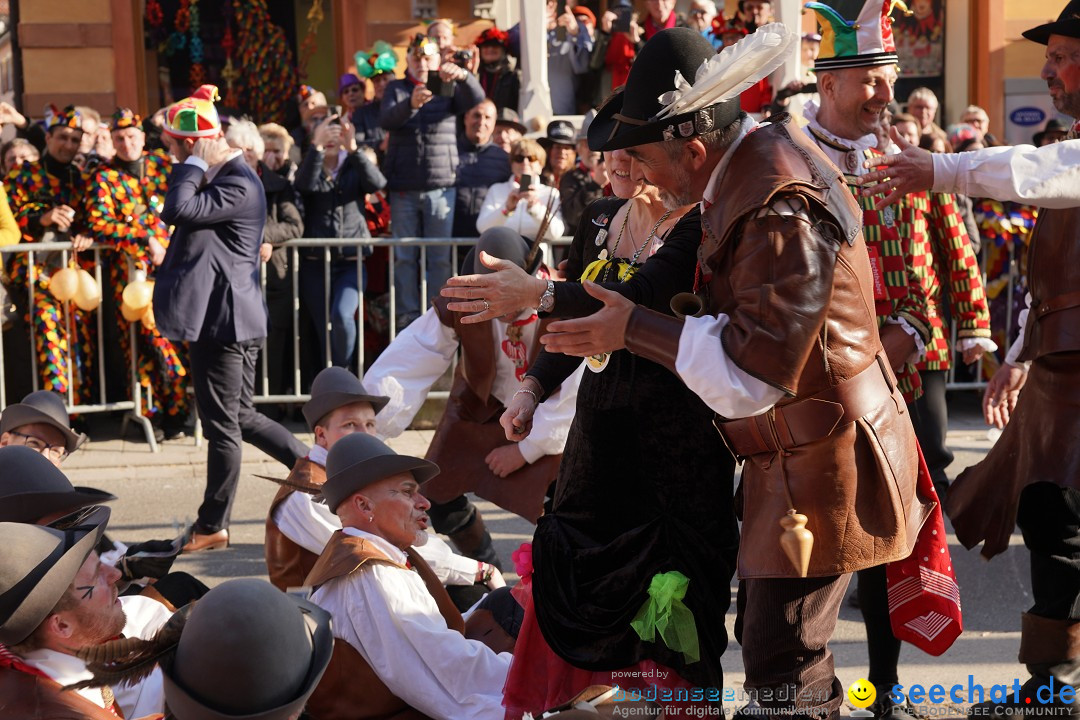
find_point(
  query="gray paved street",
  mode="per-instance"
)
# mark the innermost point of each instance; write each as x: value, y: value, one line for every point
x: 159, y: 493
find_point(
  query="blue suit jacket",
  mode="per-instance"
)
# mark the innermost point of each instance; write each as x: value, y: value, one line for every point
x: 208, y: 286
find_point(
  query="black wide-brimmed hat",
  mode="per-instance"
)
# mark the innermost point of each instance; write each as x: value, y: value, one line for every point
x: 37, y: 567
x: 1053, y: 125
x: 336, y: 387
x: 508, y: 116
x: 503, y: 243
x: 247, y: 650
x: 42, y: 406
x: 628, y: 118
x: 559, y: 132
x: 358, y: 460
x: 1067, y: 24
x: 32, y: 488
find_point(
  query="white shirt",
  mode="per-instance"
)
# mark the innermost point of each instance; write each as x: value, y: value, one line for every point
x: 1048, y: 177
x: 525, y: 219
x: 388, y: 615
x: 144, y: 618
x: 422, y: 352
x: 310, y: 524
x: 211, y: 172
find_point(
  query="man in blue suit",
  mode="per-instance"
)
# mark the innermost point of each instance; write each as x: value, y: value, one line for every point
x: 207, y: 293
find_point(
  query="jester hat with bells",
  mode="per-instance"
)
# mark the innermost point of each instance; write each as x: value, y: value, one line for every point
x: 195, y: 116
x: 680, y: 87
x: 855, y: 33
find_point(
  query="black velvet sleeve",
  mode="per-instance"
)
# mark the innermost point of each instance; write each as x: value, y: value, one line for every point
x: 665, y: 274
x: 551, y: 369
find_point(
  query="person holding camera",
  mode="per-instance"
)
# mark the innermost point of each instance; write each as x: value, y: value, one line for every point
x: 569, y: 47
x: 521, y: 202
x: 420, y: 112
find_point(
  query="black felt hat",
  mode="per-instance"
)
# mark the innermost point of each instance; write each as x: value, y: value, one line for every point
x: 336, y: 387
x: 358, y: 460
x: 559, y: 132
x: 1067, y: 24
x: 37, y: 567
x: 1053, y: 125
x: 32, y: 488
x: 247, y: 650
x: 42, y: 406
x: 508, y: 116
x: 503, y: 243
x: 628, y: 118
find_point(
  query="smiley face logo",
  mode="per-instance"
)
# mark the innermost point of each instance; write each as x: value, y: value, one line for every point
x: 862, y: 693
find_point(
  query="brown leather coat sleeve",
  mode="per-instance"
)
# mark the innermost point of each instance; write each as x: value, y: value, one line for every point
x: 654, y: 336
x: 781, y: 282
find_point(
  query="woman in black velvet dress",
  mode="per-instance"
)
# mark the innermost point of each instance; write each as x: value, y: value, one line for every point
x: 645, y: 485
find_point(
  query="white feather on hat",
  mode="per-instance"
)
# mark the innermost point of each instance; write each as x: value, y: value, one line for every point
x: 730, y: 72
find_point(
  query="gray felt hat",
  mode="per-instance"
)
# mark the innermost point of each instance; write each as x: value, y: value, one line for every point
x: 358, y: 460
x: 37, y: 567
x: 42, y: 406
x: 336, y: 387
x: 247, y: 650
x: 32, y: 488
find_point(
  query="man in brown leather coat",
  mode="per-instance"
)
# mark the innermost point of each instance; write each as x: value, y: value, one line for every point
x: 787, y: 354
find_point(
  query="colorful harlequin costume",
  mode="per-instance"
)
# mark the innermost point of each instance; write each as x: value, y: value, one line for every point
x: 902, y: 598
x: 122, y: 205
x: 33, y: 190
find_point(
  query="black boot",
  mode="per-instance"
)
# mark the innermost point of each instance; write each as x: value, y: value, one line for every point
x: 885, y: 708
x: 474, y: 541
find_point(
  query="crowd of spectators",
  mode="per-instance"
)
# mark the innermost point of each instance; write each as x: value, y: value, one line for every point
x: 439, y: 152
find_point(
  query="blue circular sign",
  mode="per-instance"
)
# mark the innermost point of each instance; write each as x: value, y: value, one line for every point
x: 1027, y: 116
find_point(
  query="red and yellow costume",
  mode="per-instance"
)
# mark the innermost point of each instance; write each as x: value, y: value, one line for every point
x: 34, y: 189
x: 122, y: 212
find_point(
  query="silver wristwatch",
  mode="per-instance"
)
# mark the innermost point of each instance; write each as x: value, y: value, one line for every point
x: 547, y: 300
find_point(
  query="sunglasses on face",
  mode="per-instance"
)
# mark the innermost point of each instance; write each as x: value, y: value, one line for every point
x: 522, y: 158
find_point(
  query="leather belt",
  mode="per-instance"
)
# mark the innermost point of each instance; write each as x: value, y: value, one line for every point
x: 809, y: 419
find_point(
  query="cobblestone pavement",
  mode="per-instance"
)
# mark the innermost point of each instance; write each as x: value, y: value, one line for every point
x: 159, y: 494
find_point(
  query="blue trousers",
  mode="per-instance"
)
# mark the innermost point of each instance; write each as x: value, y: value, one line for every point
x: 420, y: 214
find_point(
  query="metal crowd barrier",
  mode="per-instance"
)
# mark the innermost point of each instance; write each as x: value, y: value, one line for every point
x: 133, y: 408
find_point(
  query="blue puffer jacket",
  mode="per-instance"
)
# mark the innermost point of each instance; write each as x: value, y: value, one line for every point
x: 479, y: 168
x: 422, y: 154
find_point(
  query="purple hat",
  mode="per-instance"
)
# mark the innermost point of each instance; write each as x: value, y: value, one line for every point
x: 346, y: 80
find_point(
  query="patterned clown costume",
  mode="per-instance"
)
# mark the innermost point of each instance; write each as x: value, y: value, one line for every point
x: 122, y: 205
x: 34, y: 189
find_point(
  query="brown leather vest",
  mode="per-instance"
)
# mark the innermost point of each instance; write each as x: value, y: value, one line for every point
x: 1053, y: 324
x: 287, y: 563
x: 31, y: 697
x: 350, y: 689
x: 800, y: 296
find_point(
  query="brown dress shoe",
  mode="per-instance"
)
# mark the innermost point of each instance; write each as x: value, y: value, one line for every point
x: 213, y: 541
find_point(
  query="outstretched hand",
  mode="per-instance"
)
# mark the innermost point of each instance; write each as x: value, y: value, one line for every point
x: 507, y: 290
x: 603, y: 331
x: 897, y: 175
x: 1001, y: 394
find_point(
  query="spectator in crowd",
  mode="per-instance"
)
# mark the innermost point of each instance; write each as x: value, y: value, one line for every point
x: 378, y: 67
x: 1055, y: 131
x: 923, y: 104
x: 421, y: 161
x: 935, y: 143
x: 481, y: 164
x: 726, y: 31
x: 794, y: 96
x: 579, y: 187
x: 660, y: 15
x: 49, y: 196
x: 332, y: 182
x: 962, y: 134
x: 87, y: 157
x: 277, y: 145
x: 589, y: 83
x: 569, y: 46
x: 350, y: 93
x: 908, y: 127
x: 616, y: 46
x: 24, y: 127
x: 313, y: 108
x: 15, y: 152
x: 501, y: 82
x: 442, y: 32
x: 977, y: 118
x: 283, y: 222
x: 123, y: 205
x: 701, y: 15
x: 755, y: 13
x: 559, y: 145
x: 522, y: 206
x: 385, y: 611
x: 508, y: 129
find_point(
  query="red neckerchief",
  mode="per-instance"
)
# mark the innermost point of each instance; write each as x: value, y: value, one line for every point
x: 9, y: 659
x: 650, y: 26
x: 409, y: 78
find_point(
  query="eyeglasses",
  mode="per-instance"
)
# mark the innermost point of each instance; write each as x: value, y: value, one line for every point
x: 523, y: 158
x: 56, y: 452
x: 700, y: 12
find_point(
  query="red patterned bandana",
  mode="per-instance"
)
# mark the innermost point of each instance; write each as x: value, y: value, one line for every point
x: 515, y: 349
